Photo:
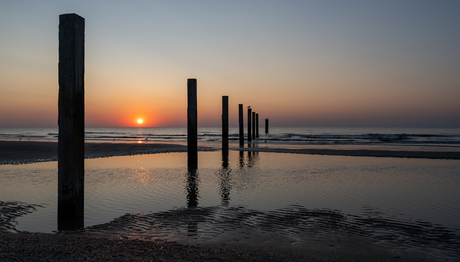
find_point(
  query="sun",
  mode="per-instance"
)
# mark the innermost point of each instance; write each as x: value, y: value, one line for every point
x: 139, y: 121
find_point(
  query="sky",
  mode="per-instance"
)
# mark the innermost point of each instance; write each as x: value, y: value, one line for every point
x: 325, y: 63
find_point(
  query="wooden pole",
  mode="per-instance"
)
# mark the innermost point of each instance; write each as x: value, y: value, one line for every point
x: 257, y: 125
x: 192, y: 125
x: 241, y: 124
x: 266, y: 126
x: 254, y: 125
x: 224, y: 123
x: 249, y: 124
x: 225, y: 131
x: 71, y: 121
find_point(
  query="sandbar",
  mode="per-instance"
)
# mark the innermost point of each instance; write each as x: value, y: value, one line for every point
x: 23, y: 152
x: 363, y: 152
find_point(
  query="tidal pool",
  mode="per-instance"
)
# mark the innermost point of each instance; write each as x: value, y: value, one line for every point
x: 412, y: 204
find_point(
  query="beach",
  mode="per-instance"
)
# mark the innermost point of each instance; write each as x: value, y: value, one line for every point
x: 75, y: 247
x: 87, y: 247
x: 107, y: 242
x: 21, y: 152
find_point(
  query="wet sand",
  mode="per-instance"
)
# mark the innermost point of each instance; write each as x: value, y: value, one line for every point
x: 333, y: 238
x: 228, y: 247
x: 77, y: 247
x: 429, y: 154
x: 23, y: 152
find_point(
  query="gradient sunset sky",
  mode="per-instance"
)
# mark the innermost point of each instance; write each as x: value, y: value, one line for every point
x: 299, y: 63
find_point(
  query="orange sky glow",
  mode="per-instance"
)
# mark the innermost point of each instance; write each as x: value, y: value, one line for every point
x: 297, y: 63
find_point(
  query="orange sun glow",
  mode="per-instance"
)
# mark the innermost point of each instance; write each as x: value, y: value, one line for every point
x: 139, y: 121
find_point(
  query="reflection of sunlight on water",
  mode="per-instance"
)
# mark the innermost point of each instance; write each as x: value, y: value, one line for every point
x: 144, y: 176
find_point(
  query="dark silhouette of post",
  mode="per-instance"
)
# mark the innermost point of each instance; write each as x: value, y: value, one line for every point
x: 71, y: 121
x: 266, y: 125
x: 225, y: 129
x: 257, y: 125
x: 225, y: 123
x: 249, y: 124
x: 254, y: 125
x: 241, y: 124
x: 192, y: 125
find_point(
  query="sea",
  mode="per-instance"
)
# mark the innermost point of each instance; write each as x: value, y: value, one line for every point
x: 297, y: 201
x: 287, y: 136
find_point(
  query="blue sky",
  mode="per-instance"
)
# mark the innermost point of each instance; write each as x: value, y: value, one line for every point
x: 300, y: 63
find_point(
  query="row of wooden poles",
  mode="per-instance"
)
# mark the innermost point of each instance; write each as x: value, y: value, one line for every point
x: 71, y: 121
x: 192, y: 124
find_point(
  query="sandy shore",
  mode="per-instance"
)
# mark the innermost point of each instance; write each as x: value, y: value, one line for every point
x: 90, y: 247
x: 69, y: 247
x: 22, y: 152
x: 365, y: 152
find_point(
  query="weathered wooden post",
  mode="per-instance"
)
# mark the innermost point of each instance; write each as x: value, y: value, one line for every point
x: 266, y: 125
x: 249, y: 124
x: 71, y: 121
x: 241, y: 124
x: 254, y: 125
x: 225, y: 129
x: 192, y: 125
x: 257, y: 125
x: 224, y: 123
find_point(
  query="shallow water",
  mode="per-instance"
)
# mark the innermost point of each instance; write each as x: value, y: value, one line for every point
x: 411, y: 202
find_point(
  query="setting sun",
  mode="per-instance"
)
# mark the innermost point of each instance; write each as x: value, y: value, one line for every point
x: 139, y: 121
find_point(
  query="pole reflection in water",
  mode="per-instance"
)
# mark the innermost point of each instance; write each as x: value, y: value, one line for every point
x: 252, y: 155
x: 225, y: 185
x: 192, y: 198
x: 192, y: 188
x: 241, y: 159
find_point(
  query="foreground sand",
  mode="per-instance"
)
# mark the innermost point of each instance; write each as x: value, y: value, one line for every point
x: 51, y: 247
x: 89, y: 247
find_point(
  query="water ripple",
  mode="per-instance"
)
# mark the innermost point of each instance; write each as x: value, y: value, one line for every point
x: 295, y: 221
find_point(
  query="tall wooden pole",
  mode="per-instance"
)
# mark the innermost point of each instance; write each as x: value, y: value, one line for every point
x: 257, y: 125
x: 192, y: 125
x: 225, y: 129
x: 254, y: 125
x: 249, y: 124
x: 71, y: 121
x: 225, y: 123
x: 241, y: 124
x: 266, y: 126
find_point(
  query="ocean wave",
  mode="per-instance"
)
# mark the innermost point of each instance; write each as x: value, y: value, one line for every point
x: 346, y: 136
